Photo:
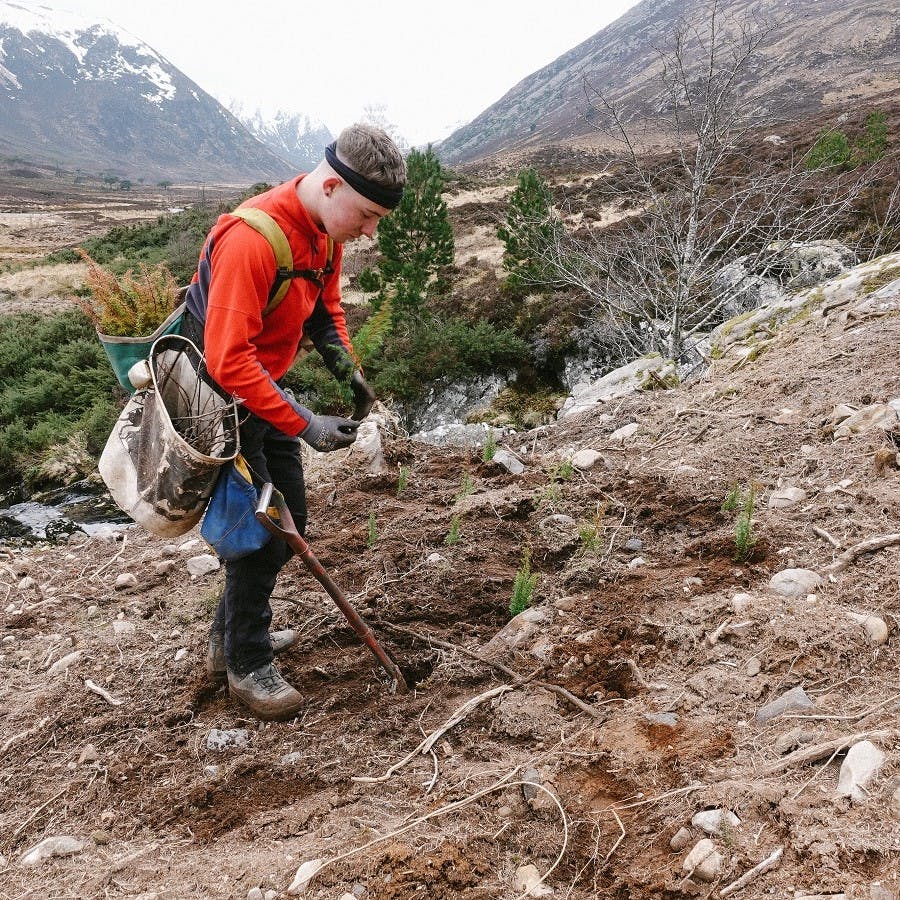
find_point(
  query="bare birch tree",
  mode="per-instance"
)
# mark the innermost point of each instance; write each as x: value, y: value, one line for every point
x: 716, y: 193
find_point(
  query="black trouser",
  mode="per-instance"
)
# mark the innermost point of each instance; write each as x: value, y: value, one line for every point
x: 244, y: 614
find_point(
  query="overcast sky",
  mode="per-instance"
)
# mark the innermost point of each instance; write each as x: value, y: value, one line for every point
x: 431, y: 66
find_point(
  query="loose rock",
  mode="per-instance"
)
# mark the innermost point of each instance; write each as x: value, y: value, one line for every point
x: 126, y: 580
x: 795, y: 698
x: 704, y: 861
x: 715, y: 821
x: 203, y: 564
x: 680, y: 839
x: 795, y: 582
x: 586, y: 459
x: 875, y: 628
x: 860, y: 766
x: 509, y: 461
x: 527, y: 881
x: 786, y: 496
x: 60, y: 845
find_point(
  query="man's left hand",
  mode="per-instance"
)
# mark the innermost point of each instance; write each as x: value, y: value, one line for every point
x: 363, y: 396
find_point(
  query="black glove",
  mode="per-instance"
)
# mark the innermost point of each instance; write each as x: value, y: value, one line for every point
x: 363, y: 396
x: 326, y: 433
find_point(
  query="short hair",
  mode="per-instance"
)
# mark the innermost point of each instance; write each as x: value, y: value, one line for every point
x: 369, y: 151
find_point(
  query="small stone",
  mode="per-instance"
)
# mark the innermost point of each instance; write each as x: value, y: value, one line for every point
x: 272, y: 895
x: 180, y: 654
x: 741, y: 602
x: 60, y: 845
x: 203, y: 564
x: 716, y: 821
x: 527, y: 881
x: 290, y: 759
x: 753, y: 667
x: 680, y: 839
x: 123, y: 627
x: 509, y: 461
x: 795, y: 698
x: 875, y: 628
x: 211, y: 770
x: 229, y: 739
x: 634, y: 545
x: 586, y: 637
x: 126, y: 580
x: 620, y: 435
x: 164, y: 567
x: 92, y: 611
x: 795, y: 582
x: 435, y: 559
x: 89, y: 754
x: 189, y: 546
x: 859, y: 767
x: 566, y: 604
x: 530, y: 778
x: 668, y: 719
x: 505, y: 812
x: 100, y: 838
x: 786, y: 496
x: 637, y: 562
x: 169, y: 550
x: 704, y: 861
x: 27, y: 584
x: 586, y: 459
x: 255, y: 893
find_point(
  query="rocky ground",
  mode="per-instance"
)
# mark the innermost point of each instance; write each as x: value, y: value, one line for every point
x: 683, y: 710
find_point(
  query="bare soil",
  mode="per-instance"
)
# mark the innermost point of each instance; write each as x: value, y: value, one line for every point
x: 163, y: 816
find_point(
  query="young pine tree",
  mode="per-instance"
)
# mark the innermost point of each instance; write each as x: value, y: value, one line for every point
x: 531, y: 227
x: 415, y: 241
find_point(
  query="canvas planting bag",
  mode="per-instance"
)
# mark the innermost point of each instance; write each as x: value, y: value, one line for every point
x: 164, y: 454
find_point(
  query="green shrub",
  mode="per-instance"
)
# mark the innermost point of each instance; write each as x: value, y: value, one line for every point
x: 54, y: 380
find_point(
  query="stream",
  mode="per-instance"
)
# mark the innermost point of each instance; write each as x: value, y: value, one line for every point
x: 80, y: 507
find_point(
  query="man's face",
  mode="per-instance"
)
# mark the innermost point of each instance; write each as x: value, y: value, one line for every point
x: 347, y: 215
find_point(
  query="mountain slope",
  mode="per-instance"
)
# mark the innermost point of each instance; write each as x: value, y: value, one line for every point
x: 293, y: 136
x: 90, y: 95
x: 821, y: 52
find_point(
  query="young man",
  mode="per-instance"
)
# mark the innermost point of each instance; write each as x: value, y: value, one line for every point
x: 248, y: 353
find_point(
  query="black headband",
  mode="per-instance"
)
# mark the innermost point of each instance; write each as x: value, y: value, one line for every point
x: 388, y: 197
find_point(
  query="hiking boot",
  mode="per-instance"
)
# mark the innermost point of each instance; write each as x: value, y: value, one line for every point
x: 215, y: 650
x: 265, y: 693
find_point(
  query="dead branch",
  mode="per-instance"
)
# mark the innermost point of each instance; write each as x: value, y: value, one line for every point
x: 868, y: 546
x: 819, y: 751
x: 426, y: 745
x: 555, y: 688
x: 770, y: 862
x: 22, y: 734
x: 822, y: 533
x: 620, y: 838
x: 96, y: 689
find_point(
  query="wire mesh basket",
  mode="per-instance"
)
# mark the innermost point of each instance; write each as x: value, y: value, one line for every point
x: 164, y: 454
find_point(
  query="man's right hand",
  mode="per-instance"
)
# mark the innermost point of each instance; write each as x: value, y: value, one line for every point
x: 326, y: 433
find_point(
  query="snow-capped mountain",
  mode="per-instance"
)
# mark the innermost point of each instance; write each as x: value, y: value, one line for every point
x: 293, y: 136
x: 89, y: 95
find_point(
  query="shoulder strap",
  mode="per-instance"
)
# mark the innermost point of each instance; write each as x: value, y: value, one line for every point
x: 261, y: 221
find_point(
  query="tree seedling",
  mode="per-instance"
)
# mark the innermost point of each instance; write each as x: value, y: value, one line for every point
x: 523, y: 586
